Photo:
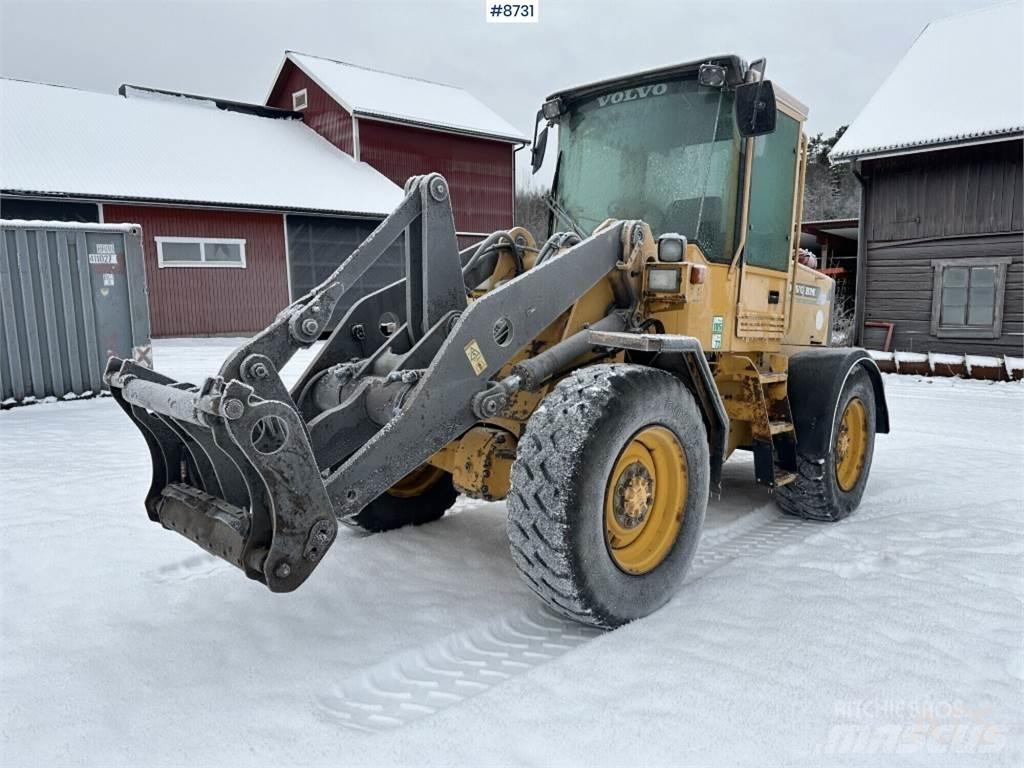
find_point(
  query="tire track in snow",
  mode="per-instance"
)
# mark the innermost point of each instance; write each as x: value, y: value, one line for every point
x: 419, y: 683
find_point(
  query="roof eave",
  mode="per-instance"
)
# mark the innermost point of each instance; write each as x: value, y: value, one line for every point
x: 384, y: 118
x: 927, y: 145
x: 184, y: 203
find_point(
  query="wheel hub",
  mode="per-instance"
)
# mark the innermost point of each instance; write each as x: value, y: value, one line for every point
x: 851, y: 446
x: 633, y: 493
x: 645, y: 500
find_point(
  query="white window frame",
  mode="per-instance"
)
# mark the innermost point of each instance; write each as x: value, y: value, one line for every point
x: 203, y: 242
x: 299, y: 94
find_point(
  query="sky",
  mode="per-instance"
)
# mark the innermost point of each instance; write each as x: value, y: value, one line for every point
x: 830, y: 54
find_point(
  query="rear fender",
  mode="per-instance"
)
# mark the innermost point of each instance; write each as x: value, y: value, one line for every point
x: 816, y: 381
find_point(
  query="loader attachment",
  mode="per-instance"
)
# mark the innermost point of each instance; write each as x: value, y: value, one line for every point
x: 233, y: 472
x: 261, y: 476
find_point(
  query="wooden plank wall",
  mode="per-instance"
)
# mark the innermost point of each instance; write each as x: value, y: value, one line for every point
x: 956, y: 203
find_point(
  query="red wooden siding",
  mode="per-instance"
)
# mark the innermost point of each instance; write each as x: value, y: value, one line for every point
x: 323, y: 114
x: 480, y: 172
x: 198, y: 301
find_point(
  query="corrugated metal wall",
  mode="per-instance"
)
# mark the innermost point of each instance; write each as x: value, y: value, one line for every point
x: 71, y: 296
x: 323, y: 114
x: 479, y: 172
x: 197, y: 301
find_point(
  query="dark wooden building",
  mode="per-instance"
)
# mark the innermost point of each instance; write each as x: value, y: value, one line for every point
x: 939, y: 156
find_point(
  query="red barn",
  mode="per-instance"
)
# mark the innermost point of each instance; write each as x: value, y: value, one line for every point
x: 403, y: 126
x: 244, y: 207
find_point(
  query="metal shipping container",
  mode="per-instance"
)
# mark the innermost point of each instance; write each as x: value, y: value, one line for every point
x: 71, y: 295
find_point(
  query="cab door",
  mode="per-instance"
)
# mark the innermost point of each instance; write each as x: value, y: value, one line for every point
x: 769, y: 249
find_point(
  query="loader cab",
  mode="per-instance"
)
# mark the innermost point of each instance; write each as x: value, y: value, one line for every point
x: 669, y: 147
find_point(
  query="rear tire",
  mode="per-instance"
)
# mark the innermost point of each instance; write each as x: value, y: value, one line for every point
x: 422, y: 497
x: 832, y: 490
x: 574, y: 482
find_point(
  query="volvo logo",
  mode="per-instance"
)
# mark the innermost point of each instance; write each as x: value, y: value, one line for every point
x: 632, y: 94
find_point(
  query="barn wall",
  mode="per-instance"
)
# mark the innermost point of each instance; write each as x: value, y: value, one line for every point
x: 969, y: 191
x: 952, y: 204
x: 199, y: 301
x: 480, y: 172
x: 324, y: 115
x: 899, y: 290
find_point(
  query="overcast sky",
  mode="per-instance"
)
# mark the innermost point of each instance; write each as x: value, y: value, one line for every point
x: 830, y: 54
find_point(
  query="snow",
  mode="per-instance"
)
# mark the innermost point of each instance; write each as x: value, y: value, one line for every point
x: 983, y: 361
x: 87, y: 226
x: 892, y: 638
x: 56, y: 140
x: 911, y: 357
x: 963, y: 78
x: 940, y: 358
x: 374, y: 93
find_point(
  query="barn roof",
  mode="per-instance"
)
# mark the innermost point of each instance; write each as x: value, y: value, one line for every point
x: 382, y: 95
x: 961, y: 81
x: 62, y: 141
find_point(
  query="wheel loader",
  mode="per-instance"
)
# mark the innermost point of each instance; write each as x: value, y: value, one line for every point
x: 596, y: 381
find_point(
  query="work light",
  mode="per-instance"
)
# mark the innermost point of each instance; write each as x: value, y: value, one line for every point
x: 671, y: 247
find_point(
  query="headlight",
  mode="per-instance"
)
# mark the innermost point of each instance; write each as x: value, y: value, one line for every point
x: 663, y: 280
x: 671, y: 247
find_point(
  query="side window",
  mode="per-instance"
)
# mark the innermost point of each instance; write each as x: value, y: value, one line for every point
x: 773, y: 176
x: 967, y: 297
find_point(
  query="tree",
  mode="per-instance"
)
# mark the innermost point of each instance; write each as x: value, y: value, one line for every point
x: 830, y: 191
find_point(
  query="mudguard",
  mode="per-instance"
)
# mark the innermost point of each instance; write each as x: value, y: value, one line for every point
x: 816, y: 380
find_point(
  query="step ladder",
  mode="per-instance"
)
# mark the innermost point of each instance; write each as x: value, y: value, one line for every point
x: 760, y: 397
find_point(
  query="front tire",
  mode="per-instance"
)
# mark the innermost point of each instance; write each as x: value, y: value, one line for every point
x: 421, y: 497
x: 609, y: 491
x: 832, y: 490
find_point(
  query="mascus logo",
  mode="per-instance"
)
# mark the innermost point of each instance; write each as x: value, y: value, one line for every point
x: 632, y: 94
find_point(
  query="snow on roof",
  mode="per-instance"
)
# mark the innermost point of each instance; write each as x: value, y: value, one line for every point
x: 56, y: 140
x: 373, y: 93
x: 962, y: 80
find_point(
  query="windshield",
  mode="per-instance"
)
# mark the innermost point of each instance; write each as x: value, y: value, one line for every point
x: 667, y: 153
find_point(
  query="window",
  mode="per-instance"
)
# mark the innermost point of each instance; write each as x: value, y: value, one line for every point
x: 300, y: 100
x: 667, y: 153
x: 967, y: 297
x: 772, y: 183
x: 200, y: 252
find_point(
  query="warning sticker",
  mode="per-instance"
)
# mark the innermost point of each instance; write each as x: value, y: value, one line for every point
x: 716, y: 341
x: 718, y: 324
x: 475, y: 357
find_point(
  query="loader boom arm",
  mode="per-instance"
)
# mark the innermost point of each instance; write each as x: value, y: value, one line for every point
x: 261, y: 476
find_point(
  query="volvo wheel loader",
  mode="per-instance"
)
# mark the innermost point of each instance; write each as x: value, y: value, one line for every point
x: 596, y: 381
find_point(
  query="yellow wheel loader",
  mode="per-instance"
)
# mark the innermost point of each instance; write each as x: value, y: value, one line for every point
x: 596, y: 381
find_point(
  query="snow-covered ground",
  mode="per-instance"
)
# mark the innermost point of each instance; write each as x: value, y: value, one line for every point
x: 894, y: 637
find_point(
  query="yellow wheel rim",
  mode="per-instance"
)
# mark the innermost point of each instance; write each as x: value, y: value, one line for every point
x: 417, y: 482
x: 645, y: 500
x: 851, y: 444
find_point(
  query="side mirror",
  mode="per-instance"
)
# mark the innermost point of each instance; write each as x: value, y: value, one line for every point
x: 755, y: 108
x: 540, y: 144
